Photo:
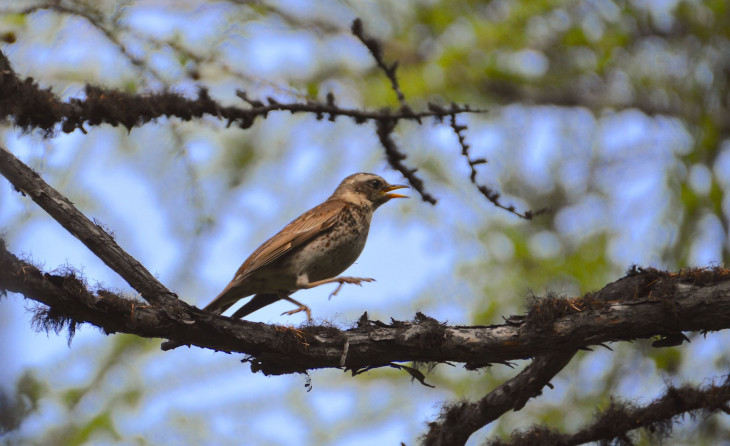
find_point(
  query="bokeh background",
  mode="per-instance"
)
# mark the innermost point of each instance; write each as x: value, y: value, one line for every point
x: 612, y: 113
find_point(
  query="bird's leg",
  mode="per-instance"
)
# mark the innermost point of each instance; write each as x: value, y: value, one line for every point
x: 341, y: 280
x: 302, y: 307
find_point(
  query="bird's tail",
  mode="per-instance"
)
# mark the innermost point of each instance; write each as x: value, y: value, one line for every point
x: 229, y: 296
x: 256, y: 303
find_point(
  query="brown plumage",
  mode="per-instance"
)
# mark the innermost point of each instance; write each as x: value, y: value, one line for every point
x: 311, y: 250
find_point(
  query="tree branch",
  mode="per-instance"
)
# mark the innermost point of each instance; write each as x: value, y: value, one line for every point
x: 96, y: 19
x: 395, y: 157
x: 376, y: 50
x: 31, y: 107
x: 90, y: 234
x: 459, y: 421
x: 619, y: 418
x: 488, y: 193
x: 643, y: 304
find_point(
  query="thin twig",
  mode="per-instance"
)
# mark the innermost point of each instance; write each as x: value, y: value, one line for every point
x: 395, y: 158
x: 489, y: 193
x: 377, y: 52
x: 95, y: 19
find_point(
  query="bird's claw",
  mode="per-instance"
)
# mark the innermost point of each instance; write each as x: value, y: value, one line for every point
x: 353, y: 280
x: 299, y: 309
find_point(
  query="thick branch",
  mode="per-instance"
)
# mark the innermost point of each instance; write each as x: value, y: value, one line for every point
x: 619, y: 418
x: 90, y: 234
x: 640, y: 305
x: 459, y: 421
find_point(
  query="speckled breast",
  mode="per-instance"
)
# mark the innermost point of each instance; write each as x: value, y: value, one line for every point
x: 334, y: 251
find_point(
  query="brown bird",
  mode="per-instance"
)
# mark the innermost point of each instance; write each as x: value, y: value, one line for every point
x: 311, y: 250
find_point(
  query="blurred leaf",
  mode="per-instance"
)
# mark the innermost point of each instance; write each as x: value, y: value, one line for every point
x: 15, y: 408
x: 72, y: 396
x: 99, y: 427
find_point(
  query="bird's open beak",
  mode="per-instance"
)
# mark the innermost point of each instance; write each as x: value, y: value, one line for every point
x: 394, y: 187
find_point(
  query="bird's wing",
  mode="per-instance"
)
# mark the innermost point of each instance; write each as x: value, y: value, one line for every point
x: 304, y: 228
x: 307, y: 226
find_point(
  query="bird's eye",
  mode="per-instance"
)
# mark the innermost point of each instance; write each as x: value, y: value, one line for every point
x: 377, y: 184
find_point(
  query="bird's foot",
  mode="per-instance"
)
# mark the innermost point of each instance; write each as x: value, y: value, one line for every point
x: 353, y: 280
x: 341, y: 280
x: 299, y: 309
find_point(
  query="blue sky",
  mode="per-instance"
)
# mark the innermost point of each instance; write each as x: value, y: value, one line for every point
x: 162, y: 189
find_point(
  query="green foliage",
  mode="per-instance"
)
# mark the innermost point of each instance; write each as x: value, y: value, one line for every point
x: 99, y: 427
x: 667, y: 359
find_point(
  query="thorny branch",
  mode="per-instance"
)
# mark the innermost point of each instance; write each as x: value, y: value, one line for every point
x: 386, y: 126
x: 643, y: 304
x: 30, y: 107
x: 383, y: 119
x: 376, y: 51
x: 488, y: 193
x: 395, y: 156
x: 619, y: 418
x: 90, y: 234
x: 459, y: 421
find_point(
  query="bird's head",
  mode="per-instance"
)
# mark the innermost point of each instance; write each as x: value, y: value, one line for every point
x: 367, y: 189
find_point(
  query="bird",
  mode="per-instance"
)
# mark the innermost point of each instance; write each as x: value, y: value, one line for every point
x: 310, y: 251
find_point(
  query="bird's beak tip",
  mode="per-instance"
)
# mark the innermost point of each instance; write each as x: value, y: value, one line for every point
x: 395, y: 187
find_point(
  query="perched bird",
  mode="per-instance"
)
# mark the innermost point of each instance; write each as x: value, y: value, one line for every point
x: 311, y: 250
